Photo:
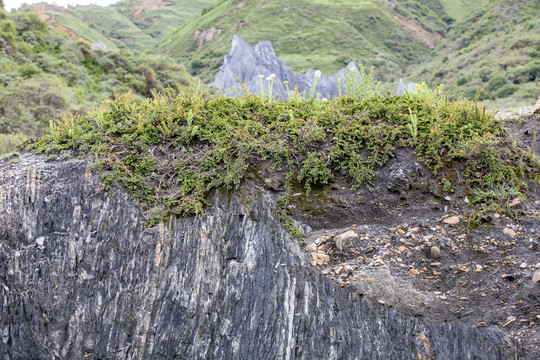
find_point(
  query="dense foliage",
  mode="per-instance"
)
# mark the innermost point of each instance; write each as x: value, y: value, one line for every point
x: 495, y: 51
x: 43, y: 73
x: 172, y: 150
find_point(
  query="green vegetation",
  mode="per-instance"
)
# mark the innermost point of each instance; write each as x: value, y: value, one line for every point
x: 132, y: 23
x: 307, y: 34
x: 169, y: 152
x: 462, y: 44
x: 43, y: 74
x: 494, y: 51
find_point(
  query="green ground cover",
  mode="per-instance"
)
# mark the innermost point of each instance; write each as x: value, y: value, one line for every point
x: 169, y: 152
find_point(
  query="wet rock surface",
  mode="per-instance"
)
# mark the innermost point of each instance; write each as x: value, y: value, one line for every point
x: 81, y: 277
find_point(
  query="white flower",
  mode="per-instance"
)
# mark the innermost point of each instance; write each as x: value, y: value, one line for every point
x: 317, y: 73
x: 261, y: 76
x: 271, y: 77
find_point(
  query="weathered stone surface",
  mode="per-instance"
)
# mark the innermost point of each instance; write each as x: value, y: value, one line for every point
x: 320, y: 258
x: 510, y: 232
x: 342, y: 240
x: 452, y: 220
x: 434, y: 252
x: 536, y: 276
x: 311, y: 248
x: 225, y: 285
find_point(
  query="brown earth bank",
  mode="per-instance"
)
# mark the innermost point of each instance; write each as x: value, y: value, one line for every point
x: 405, y: 245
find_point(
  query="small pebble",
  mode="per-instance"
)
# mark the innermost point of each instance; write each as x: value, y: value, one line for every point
x: 435, y: 252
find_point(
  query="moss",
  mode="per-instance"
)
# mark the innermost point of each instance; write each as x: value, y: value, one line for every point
x: 171, y: 151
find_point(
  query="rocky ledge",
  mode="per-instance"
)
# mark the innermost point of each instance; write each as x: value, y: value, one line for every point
x: 81, y: 277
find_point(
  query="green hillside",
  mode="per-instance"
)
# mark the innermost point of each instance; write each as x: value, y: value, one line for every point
x: 43, y: 74
x: 495, y: 50
x: 318, y: 34
x: 136, y: 24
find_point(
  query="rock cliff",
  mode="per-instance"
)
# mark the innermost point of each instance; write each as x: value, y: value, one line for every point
x: 81, y: 277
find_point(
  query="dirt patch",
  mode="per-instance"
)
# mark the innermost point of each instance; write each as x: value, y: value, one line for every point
x: 137, y: 8
x: 417, y: 251
x: 419, y: 34
x: 202, y: 37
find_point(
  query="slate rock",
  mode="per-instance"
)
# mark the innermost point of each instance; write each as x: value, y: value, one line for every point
x: 227, y: 284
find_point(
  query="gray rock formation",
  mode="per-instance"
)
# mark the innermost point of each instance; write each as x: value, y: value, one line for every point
x: 402, y: 87
x: 80, y: 276
x: 246, y: 63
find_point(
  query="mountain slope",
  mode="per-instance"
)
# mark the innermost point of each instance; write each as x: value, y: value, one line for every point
x: 43, y: 74
x: 312, y: 34
x: 495, y: 50
x: 137, y: 24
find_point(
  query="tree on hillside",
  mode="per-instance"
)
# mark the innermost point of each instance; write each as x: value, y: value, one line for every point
x: 1, y: 4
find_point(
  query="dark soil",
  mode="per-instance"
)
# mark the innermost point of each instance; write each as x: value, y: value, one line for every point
x: 483, y: 275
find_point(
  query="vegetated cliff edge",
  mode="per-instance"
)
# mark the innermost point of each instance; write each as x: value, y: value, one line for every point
x: 80, y: 275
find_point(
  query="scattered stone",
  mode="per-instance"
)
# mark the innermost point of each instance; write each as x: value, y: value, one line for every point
x: 401, y: 232
x: 509, y: 232
x: 40, y: 241
x: 435, y: 252
x: 343, y: 240
x: 436, y: 263
x: 452, y: 220
x: 444, y: 232
x: 378, y: 262
x: 478, y: 268
x: 320, y: 258
x: 536, y: 276
x: 381, y: 302
x: 311, y: 248
x: 414, y: 272
x: 523, y: 265
x: 402, y: 249
x: 414, y: 229
x: 323, y: 239
x: 509, y: 320
x: 536, y: 109
x: 369, y: 280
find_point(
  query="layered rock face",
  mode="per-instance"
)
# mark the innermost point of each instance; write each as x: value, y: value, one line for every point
x: 81, y: 277
x: 246, y: 63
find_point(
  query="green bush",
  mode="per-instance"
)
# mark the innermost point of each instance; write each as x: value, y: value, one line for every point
x: 506, y: 91
x: 526, y: 73
x: 495, y: 83
x: 28, y: 70
x: 463, y: 80
x: 197, y: 64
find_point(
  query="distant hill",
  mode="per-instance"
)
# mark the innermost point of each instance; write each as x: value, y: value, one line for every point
x: 495, y: 50
x: 44, y: 73
x: 489, y: 46
x: 136, y: 24
x: 321, y: 34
